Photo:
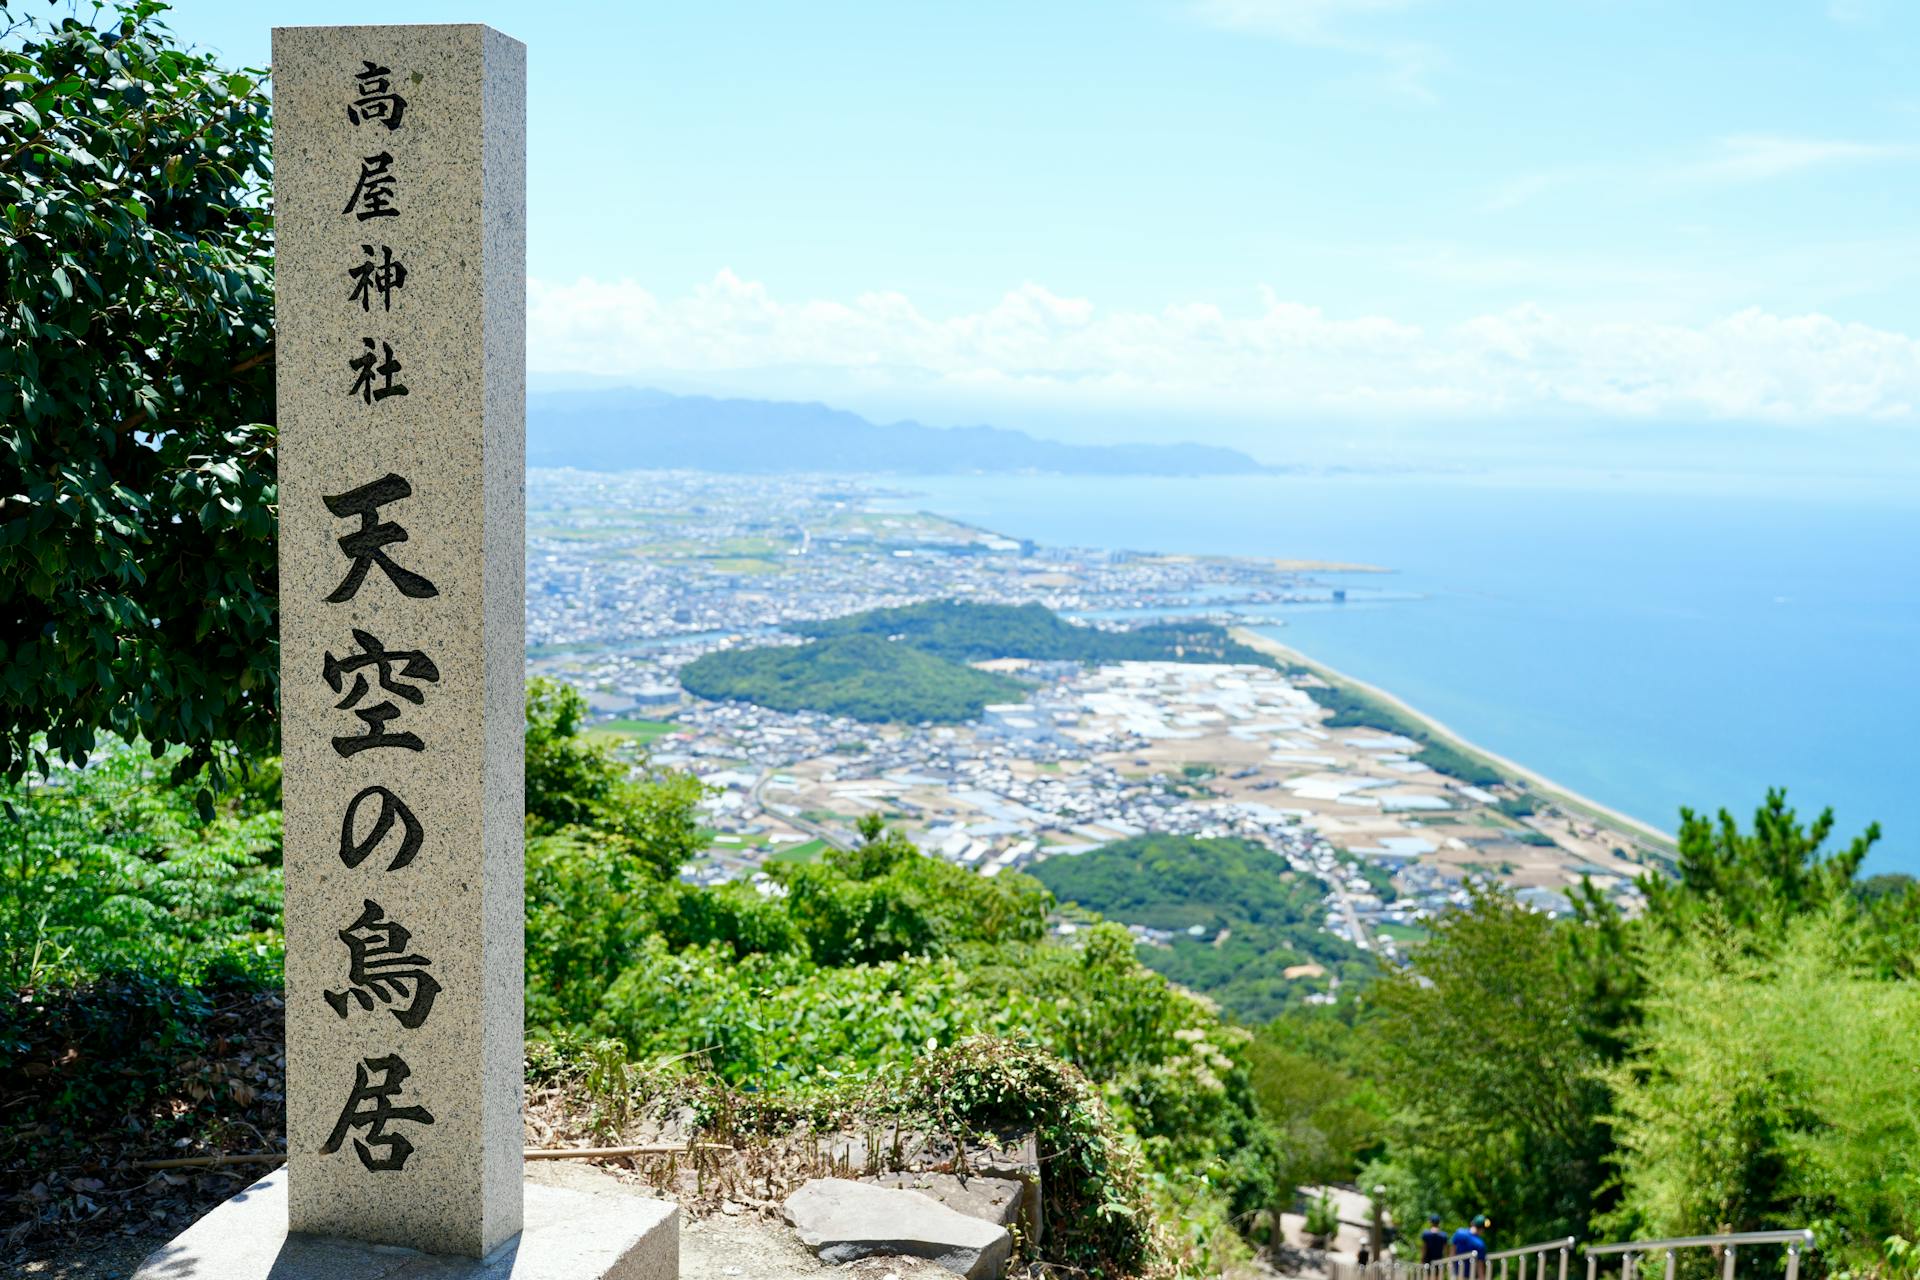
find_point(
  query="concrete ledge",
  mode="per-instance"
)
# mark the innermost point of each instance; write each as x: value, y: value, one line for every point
x: 570, y: 1234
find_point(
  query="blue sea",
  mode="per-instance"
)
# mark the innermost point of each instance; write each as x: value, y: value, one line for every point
x: 1647, y: 640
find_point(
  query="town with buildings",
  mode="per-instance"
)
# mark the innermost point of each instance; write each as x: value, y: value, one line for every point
x: 631, y: 576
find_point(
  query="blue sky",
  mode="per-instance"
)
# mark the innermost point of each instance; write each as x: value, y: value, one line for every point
x: 1284, y: 209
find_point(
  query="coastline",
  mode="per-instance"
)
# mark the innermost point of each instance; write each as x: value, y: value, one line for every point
x: 1612, y: 817
x: 1279, y: 563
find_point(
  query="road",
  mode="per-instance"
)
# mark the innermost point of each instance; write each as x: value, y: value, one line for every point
x: 791, y: 818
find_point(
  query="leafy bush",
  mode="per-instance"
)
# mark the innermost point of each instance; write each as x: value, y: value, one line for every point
x: 86, y: 1051
x: 733, y: 915
x: 575, y: 784
x: 774, y: 1022
x: 1097, y: 1216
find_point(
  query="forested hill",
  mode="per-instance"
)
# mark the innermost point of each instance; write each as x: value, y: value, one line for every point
x: 910, y: 665
x: 1255, y: 915
x: 965, y: 632
x: 633, y: 429
x: 859, y: 676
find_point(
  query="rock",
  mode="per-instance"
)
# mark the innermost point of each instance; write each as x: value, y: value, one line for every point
x: 751, y: 1247
x: 842, y: 1220
x: 1011, y: 1155
x: 995, y: 1200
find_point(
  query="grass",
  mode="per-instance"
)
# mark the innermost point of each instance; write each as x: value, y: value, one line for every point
x: 557, y: 650
x: 742, y: 564
x: 1402, y: 932
x: 644, y: 731
x: 558, y: 534
x: 808, y: 852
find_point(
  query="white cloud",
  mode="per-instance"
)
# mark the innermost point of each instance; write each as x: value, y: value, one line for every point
x: 1305, y: 21
x: 1758, y: 157
x: 1854, y: 13
x: 1739, y: 158
x: 1276, y: 356
x: 1405, y: 66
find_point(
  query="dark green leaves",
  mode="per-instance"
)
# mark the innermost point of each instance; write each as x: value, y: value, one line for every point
x: 137, y: 567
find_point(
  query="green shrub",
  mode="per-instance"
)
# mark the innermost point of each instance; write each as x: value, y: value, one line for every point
x: 1323, y: 1217
x: 780, y: 1021
x: 575, y: 784
x: 111, y: 869
x: 590, y: 907
x: 884, y: 899
x: 95, y: 1050
x: 1098, y: 1218
x: 735, y: 915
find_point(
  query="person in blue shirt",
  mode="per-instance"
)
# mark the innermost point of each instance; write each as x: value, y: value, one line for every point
x: 1433, y: 1241
x: 1472, y: 1241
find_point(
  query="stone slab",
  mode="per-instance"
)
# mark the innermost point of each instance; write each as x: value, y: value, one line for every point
x: 570, y: 1234
x: 995, y: 1200
x: 842, y: 1221
x: 1015, y: 1156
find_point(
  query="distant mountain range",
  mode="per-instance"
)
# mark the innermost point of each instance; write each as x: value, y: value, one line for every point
x: 632, y: 429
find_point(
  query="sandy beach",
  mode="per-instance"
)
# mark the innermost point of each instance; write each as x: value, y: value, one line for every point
x: 1533, y: 778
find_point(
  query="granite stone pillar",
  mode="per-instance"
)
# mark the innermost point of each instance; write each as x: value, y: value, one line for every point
x: 400, y: 230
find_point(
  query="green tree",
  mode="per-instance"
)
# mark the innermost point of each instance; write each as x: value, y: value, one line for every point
x: 1772, y: 1088
x: 1490, y: 1055
x: 884, y: 899
x: 575, y: 783
x: 1756, y: 879
x: 137, y: 567
x: 1306, y: 1070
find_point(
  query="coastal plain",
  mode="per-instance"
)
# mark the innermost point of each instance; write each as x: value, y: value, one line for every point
x: 633, y: 576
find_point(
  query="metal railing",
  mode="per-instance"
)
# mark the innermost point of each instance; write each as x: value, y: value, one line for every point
x: 1513, y: 1264
x: 1467, y: 1267
x: 1728, y: 1247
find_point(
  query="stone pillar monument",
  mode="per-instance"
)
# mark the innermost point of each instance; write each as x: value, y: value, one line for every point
x: 400, y: 278
x: 400, y: 229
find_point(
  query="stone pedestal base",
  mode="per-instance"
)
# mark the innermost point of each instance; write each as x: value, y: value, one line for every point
x: 570, y: 1234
